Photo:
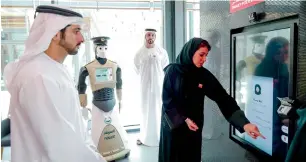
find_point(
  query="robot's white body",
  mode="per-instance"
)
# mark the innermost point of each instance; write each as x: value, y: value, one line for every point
x: 107, y: 132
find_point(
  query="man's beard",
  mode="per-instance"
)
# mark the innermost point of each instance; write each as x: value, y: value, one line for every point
x: 150, y: 41
x: 69, y: 48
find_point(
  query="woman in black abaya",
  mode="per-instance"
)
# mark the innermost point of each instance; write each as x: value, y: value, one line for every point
x: 185, y: 85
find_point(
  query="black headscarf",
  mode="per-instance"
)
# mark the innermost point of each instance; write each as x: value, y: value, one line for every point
x: 270, y: 67
x: 184, y: 59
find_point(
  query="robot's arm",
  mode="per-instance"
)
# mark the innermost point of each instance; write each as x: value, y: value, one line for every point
x: 82, y: 86
x: 119, y: 84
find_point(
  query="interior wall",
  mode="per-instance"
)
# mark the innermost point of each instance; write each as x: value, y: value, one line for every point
x: 216, y: 22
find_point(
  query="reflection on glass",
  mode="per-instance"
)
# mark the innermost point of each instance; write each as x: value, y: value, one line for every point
x: 213, y: 62
x: 4, y: 36
x: 262, y: 75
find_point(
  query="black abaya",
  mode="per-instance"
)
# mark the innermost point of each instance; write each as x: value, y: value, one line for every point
x: 183, y: 95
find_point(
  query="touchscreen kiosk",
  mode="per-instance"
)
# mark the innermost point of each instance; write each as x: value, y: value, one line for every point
x: 261, y: 73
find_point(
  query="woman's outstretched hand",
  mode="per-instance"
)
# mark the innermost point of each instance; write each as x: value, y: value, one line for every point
x: 191, y: 125
x: 253, y: 131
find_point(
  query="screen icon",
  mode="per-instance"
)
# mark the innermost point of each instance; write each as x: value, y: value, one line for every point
x: 257, y: 89
x: 284, y: 138
x: 285, y: 129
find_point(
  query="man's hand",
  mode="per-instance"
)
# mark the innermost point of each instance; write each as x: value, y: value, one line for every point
x: 191, y: 125
x: 252, y: 130
x: 83, y: 104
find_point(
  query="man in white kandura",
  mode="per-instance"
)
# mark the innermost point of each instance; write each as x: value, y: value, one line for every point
x: 149, y: 62
x: 46, y: 120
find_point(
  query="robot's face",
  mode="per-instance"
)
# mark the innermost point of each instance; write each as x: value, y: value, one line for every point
x: 101, y: 51
x: 259, y: 48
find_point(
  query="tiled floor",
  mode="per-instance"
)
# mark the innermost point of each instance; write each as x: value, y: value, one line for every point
x: 219, y: 150
x: 222, y: 149
x: 138, y: 153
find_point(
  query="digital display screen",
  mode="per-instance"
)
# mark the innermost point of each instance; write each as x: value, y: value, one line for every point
x: 104, y: 74
x: 262, y: 75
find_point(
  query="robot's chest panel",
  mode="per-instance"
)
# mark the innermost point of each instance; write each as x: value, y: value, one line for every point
x: 104, y: 74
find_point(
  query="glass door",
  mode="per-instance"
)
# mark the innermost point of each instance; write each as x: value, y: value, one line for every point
x: 263, y: 72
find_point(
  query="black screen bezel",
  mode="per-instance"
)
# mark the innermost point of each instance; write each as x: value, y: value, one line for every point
x: 292, y: 24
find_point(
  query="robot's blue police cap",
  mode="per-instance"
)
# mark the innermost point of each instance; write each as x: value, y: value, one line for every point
x: 57, y: 11
x: 259, y: 39
x: 100, y: 40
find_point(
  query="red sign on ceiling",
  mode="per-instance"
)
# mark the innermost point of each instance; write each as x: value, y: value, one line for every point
x: 236, y: 5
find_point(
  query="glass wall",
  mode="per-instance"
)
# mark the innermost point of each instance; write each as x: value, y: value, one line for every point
x: 124, y: 22
x: 192, y: 19
x: 14, y: 31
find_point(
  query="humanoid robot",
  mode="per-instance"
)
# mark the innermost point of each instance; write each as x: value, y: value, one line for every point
x: 104, y: 77
x: 252, y: 61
